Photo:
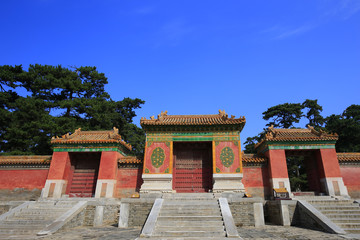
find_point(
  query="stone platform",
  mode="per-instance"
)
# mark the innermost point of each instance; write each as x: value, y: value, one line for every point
x: 268, y: 232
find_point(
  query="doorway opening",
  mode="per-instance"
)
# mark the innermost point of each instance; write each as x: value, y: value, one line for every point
x: 83, y: 174
x: 303, y: 172
x: 192, y: 167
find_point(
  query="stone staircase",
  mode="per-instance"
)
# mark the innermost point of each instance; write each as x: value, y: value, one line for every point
x: 190, y: 216
x: 36, y: 216
x: 343, y: 213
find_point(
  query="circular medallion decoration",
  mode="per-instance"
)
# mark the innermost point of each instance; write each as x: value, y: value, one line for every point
x: 157, y: 157
x: 227, y: 156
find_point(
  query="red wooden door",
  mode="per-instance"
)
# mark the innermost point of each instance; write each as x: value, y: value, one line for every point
x: 192, y: 167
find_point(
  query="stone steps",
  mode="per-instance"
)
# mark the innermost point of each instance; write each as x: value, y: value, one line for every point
x: 329, y: 202
x: 188, y: 196
x: 184, y: 216
x: 15, y: 221
x: 349, y: 225
x: 340, y: 215
x: 340, y: 211
x: 185, y: 233
x: 189, y: 218
x: 190, y: 223
x: 346, y: 207
x: 346, y: 220
x: 352, y: 230
x: 36, y: 216
x: 343, y: 213
x: 190, y: 202
x: 207, y: 212
x: 191, y: 228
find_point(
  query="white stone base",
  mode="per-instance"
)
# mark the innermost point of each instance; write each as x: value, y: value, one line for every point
x: 58, y: 189
x: 156, y: 183
x: 275, y: 182
x: 109, y: 187
x: 228, y: 183
x: 329, y: 186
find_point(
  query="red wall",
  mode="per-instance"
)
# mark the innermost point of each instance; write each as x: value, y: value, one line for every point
x: 256, y: 181
x: 277, y: 163
x: 351, y: 177
x: 330, y: 163
x: 23, y: 178
x: 108, y: 165
x: 128, y: 181
x: 59, y: 166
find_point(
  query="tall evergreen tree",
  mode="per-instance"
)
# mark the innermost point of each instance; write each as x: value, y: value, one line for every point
x: 347, y: 126
x: 283, y: 115
x: 60, y: 100
x: 313, y: 113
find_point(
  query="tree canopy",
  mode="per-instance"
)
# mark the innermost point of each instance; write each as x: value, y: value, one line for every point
x: 346, y: 125
x: 283, y: 115
x: 59, y: 100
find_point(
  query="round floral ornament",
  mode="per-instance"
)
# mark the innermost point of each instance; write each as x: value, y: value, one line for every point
x: 157, y: 157
x: 227, y: 156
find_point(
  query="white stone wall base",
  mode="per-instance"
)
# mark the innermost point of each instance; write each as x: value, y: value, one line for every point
x: 329, y: 186
x: 275, y: 182
x: 60, y: 186
x: 228, y: 183
x: 156, y: 183
x: 110, y: 188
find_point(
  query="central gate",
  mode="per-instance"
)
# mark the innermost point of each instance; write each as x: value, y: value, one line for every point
x: 192, y: 167
x: 83, y: 174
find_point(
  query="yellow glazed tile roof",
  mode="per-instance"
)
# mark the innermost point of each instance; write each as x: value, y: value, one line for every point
x: 252, y: 158
x: 215, y: 119
x: 80, y: 137
x: 348, y: 157
x: 129, y: 159
x: 297, y: 134
x: 26, y: 160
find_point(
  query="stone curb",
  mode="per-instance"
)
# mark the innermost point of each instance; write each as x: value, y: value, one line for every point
x: 152, y: 218
x: 231, y: 230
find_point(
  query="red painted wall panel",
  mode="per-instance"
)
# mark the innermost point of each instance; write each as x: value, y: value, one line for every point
x: 23, y: 178
x: 166, y: 164
x: 351, y: 177
x: 108, y: 165
x: 59, y: 166
x: 330, y: 163
x: 277, y: 163
x: 128, y: 181
x: 236, y: 163
x: 255, y: 177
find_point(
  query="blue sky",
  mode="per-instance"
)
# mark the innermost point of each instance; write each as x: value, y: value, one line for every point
x: 196, y: 57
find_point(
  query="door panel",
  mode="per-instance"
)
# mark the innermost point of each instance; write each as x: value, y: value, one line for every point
x: 192, y: 167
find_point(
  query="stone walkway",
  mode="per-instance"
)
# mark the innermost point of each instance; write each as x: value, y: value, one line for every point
x: 268, y: 232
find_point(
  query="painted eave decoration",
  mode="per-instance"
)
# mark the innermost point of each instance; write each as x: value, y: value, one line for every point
x: 304, y: 135
x: 348, y: 157
x: 130, y: 159
x: 165, y: 121
x: 25, y: 160
x: 253, y: 158
x: 91, y: 137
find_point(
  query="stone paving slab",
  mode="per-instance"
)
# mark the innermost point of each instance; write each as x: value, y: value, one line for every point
x: 264, y: 233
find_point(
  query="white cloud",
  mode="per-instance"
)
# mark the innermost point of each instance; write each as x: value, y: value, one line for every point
x: 295, y: 31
